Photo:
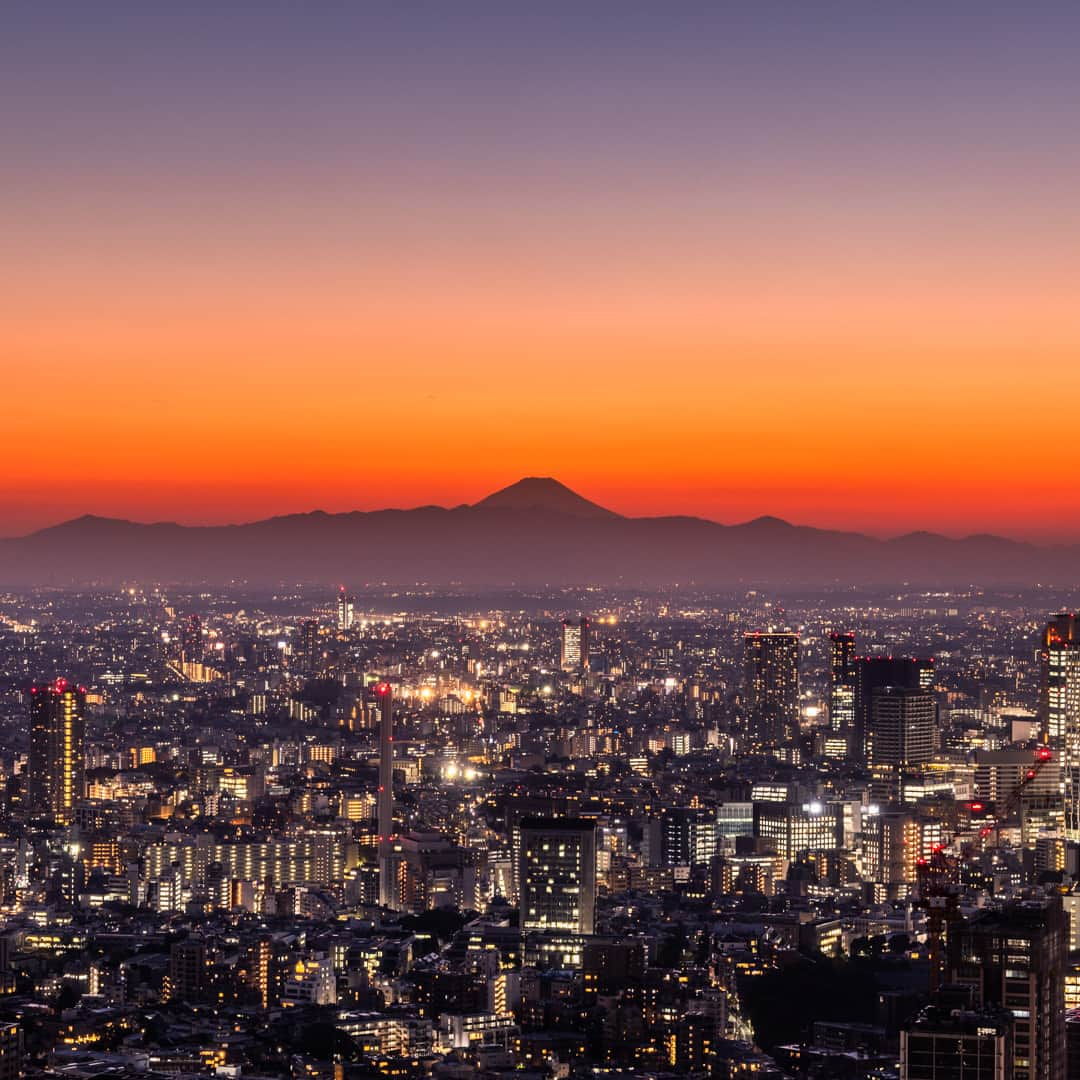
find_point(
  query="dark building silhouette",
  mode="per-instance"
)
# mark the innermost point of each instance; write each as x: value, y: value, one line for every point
x: 1014, y: 957
x: 874, y: 672
x: 771, y: 687
x: 191, y: 640
x: 957, y: 1044
x: 903, y: 726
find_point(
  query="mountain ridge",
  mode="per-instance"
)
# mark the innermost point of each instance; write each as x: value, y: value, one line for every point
x: 536, y: 531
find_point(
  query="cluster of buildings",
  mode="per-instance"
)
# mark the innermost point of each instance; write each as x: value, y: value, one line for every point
x: 393, y: 834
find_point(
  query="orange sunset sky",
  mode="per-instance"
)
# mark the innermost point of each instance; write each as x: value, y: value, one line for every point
x: 820, y: 267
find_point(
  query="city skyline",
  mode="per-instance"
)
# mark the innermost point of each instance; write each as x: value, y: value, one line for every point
x: 813, y: 263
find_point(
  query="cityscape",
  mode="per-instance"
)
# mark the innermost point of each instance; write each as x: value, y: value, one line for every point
x: 371, y: 831
x: 539, y: 541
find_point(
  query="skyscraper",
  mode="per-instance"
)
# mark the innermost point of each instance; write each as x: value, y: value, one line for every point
x: 1015, y: 957
x: 574, y: 650
x: 57, y: 732
x: 309, y: 644
x: 1059, y: 708
x: 558, y: 874
x: 842, y: 683
x: 345, y: 609
x: 388, y: 893
x: 873, y: 672
x: 191, y: 640
x: 771, y: 687
x: 903, y: 723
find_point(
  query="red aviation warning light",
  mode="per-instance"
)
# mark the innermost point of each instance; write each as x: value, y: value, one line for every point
x: 383, y: 688
x: 1044, y: 753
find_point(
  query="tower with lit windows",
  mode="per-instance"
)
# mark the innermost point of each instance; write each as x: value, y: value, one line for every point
x: 57, y: 736
x: 388, y: 891
x: 841, y: 683
x: 771, y: 687
x: 558, y: 874
x: 574, y: 645
x: 346, y: 607
x: 1059, y: 708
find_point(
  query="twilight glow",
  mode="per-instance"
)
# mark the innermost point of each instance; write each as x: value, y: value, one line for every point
x: 820, y: 261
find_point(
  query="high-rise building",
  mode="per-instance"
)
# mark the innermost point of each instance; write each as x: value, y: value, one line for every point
x: 1059, y: 709
x: 792, y: 828
x: 574, y: 645
x: 688, y: 836
x: 940, y: 1044
x: 191, y: 640
x: 558, y: 874
x: 842, y: 683
x: 345, y: 609
x: 309, y: 644
x: 388, y: 891
x: 903, y: 723
x: 57, y: 734
x: 1015, y: 957
x: 771, y: 687
x: 873, y: 672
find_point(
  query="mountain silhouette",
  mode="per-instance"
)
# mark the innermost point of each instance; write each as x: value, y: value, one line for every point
x: 545, y: 494
x: 533, y: 533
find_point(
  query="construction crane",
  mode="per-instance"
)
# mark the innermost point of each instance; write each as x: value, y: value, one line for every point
x: 937, y: 886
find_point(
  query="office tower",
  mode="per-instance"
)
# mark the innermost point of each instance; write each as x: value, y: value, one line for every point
x: 558, y: 874
x: 56, y: 768
x: 771, y: 687
x: 1014, y: 957
x: 872, y: 672
x: 902, y: 728
x: 309, y: 644
x: 957, y: 1044
x: 191, y: 640
x: 388, y: 891
x: 842, y: 683
x: 688, y: 836
x: 345, y: 609
x: 1059, y: 709
x: 791, y: 828
x: 574, y: 650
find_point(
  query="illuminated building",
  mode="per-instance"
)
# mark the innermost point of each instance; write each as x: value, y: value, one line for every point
x: 256, y: 967
x: 903, y: 727
x: 874, y: 672
x: 309, y: 644
x: 1059, y: 707
x: 558, y: 874
x: 942, y: 1044
x: 345, y: 609
x: 771, y: 687
x: 793, y: 827
x: 1015, y: 957
x: 388, y: 890
x: 574, y: 645
x: 57, y: 732
x: 12, y: 1055
x: 311, y: 982
x: 191, y: 640
x: 842, y: 683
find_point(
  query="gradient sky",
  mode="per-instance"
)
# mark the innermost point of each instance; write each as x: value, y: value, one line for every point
x: 816, y: 260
